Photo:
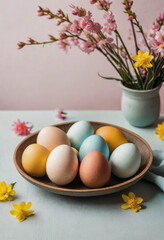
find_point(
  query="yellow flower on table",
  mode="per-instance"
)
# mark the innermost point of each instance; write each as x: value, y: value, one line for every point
x: 160, y: 130
x: 142, y: 60
x: 6, y: 192
x: 22, y: 211
x: 131, y: 201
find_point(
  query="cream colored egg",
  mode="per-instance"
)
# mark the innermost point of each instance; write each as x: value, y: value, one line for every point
x: 51, y: 137
x: 34, y: 160
x: 62, y: 165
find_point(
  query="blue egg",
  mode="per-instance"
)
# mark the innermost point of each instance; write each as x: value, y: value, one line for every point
x: 78, y: 132
x: 93, y: 143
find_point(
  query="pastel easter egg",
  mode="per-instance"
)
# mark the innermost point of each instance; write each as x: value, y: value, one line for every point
x: 62, y: 165
x: 78, y: 132
x: 125, y: 160
x: 51, y: 137
x: 93, y: 143
x: 34, y: 160
x: 113, y: 136
x: 95, y: 170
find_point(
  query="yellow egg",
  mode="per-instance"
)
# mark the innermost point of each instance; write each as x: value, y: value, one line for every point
x: 34, y: 160
x: 113, y: 136
x: 75, y: 150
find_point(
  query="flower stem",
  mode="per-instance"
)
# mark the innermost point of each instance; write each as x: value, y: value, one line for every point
x: 137, y: 75
x: 134, y: 35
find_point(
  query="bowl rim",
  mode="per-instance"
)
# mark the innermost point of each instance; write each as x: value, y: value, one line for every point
x: 87, y: 190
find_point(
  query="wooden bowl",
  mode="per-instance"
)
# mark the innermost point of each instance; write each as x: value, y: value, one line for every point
x: 76, y: 188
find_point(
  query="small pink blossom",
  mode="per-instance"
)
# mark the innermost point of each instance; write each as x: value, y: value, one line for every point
x: 103, y: 4
x: 93, y: 1
x: 60, y: 13
x: 61, y: 115
x: 159, y: 37
x: 81, y: 12
x: 87, y: 47
x: 40, y: 13
x: 86, y: 22
x: 22, y: 128
x: 65, y: 27
x: 88, y: 25
x: 20, y: 45
x: 49, y: 17
x: 127, y: 4
x: 97, y: 27
x: 75, y: 27
x: 64, y: 44
x: 75, y: 41
x: 110, y: 25
x: 102, y: 43
x: 63, y: 35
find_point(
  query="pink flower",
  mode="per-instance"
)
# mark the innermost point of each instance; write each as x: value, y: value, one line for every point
x: 110, y: 25
x: 64, y: 44
x: 61, y: 115
x: 78, y: 11
x: 60, y: 13
x: 63, y: 35
x: 86, y: 20
x: 75, y: 41
x: 102, y: 43
x: 159, y: 37
x: 103, y: 4
x: 87, y: 47
x: 89, y: 25
x: 20, y: 45
x: 93, y: 1
x: 22, y: 128
x: 97, y: 27
x: 75, y: 27
x: 65, y: 27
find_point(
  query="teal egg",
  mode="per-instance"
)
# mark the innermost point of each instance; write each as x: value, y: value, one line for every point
x: 78, y: 132
x: 93, y: 143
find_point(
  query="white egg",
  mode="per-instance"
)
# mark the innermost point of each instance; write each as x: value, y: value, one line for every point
x: 125, y: 160
x: 62, y: 165
x: 78, y: 132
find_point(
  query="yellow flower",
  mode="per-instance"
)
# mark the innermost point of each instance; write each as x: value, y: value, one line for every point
x: 160, y: 130
x: 132, y: 202
x: 142, y: 60
x: 6, y: 192
x: 21, y: 211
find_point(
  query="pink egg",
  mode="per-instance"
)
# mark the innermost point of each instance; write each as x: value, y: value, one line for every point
x: 95, y: 170
x: 62, y: 165
x: 51, y: 137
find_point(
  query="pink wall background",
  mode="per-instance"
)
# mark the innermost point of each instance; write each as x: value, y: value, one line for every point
x: 48, y: 78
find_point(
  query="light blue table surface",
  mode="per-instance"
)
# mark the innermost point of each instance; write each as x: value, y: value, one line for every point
x: 60, y: 217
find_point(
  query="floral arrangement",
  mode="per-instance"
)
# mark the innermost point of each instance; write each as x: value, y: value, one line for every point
x: 143, y: 71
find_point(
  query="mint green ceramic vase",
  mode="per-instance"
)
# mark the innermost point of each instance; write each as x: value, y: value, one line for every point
x: 140, y: 108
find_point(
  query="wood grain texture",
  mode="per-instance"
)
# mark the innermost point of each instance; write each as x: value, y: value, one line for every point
x: 76, y: 188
